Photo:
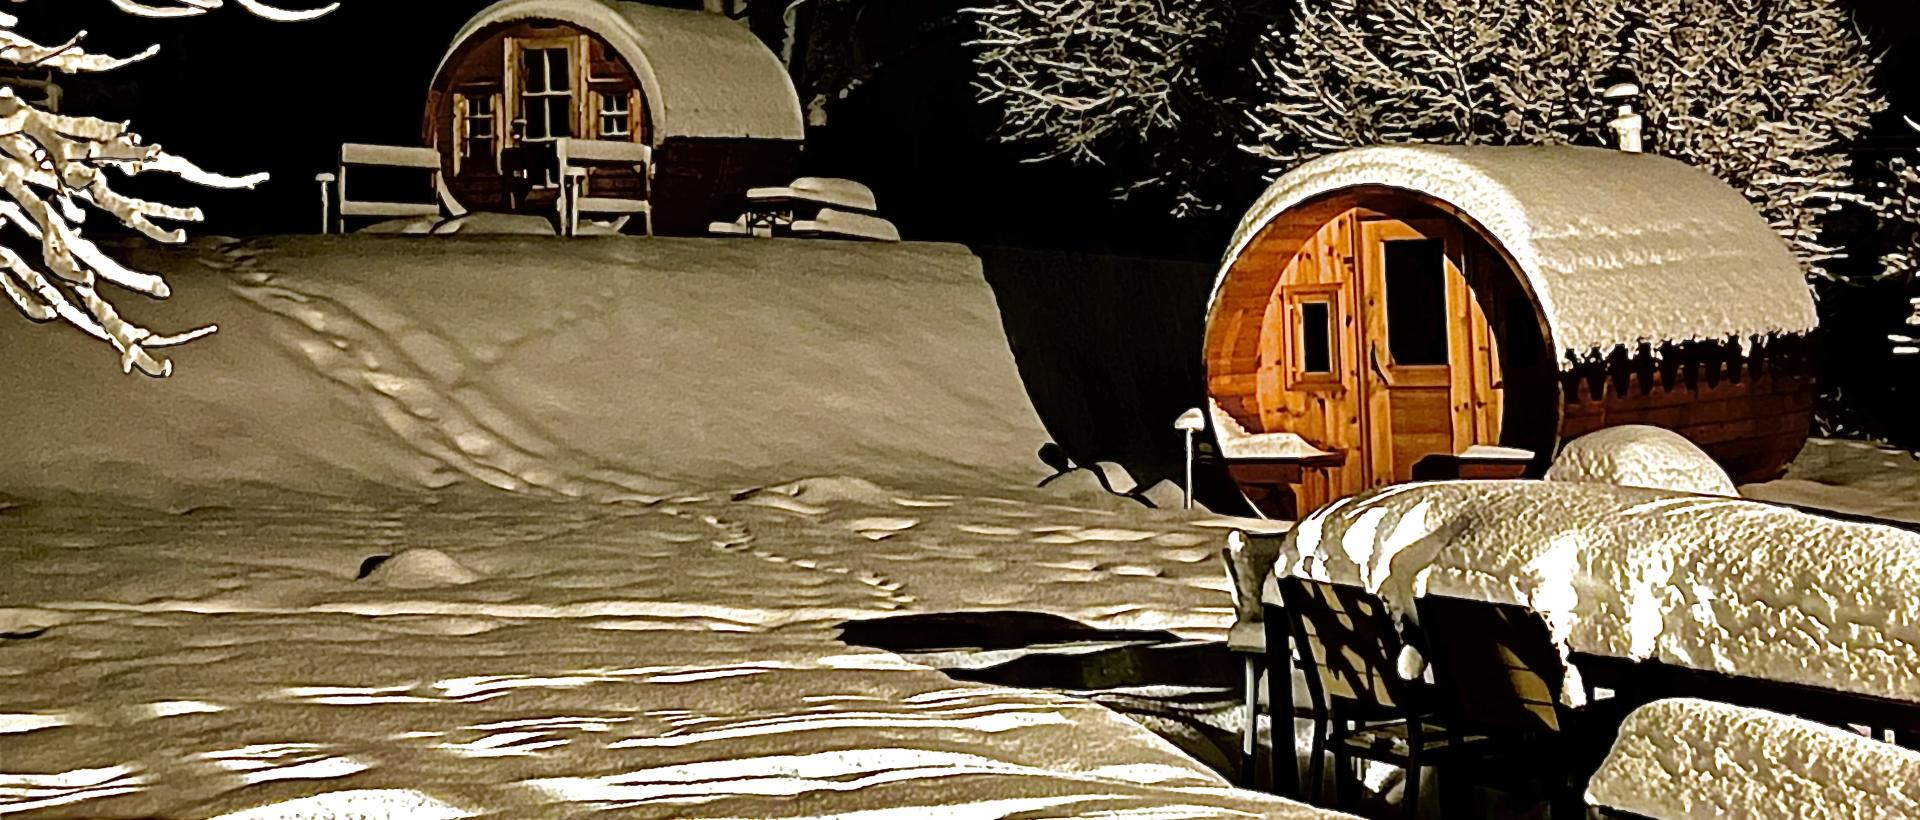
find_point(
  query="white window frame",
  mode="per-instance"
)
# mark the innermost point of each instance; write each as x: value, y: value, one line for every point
x: 468, y: 133
x: 606, y: 114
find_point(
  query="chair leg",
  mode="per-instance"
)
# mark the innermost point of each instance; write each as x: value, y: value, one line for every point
x: 1343, y: 779
x: 1317, y: 755
x: 1410, y: 796
x: 1283, y: 760
x: 1250, y: 734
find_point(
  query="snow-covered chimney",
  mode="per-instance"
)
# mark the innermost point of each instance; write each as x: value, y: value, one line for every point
x: 1627, y: 125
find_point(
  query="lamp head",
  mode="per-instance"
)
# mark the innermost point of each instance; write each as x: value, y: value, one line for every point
x: 1191, y: 421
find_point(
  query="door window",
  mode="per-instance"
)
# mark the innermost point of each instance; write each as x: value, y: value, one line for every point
x: 1416, y: 284
x: 546, y: 94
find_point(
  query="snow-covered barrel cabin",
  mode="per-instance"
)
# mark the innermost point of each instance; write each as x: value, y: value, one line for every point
x: 1411, y: 312
x: 715, y: 104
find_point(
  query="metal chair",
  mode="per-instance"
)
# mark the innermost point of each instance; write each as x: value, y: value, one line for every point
x: 1247, y: 639
x: 1496, y: 669
x: 1363, y: 709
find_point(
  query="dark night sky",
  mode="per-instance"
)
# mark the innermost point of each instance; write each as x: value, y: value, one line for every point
x: 239, y: 94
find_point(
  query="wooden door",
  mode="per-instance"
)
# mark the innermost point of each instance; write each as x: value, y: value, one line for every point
x: 1427, y: 360
x: 546, y: 81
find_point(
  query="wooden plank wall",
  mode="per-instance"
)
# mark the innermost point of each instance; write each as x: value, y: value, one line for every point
x: 1751, y: 412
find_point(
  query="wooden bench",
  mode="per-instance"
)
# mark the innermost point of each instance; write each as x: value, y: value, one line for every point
x: 387, y: 156
x: 577, y: 156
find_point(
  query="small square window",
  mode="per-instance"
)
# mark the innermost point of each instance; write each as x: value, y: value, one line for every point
x: 1316, y: 338
x: 616, y: 115
x: 1312, y: 355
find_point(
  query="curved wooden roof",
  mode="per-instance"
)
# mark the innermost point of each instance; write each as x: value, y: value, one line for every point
x: 704, y: 75
x: 1618, y: 248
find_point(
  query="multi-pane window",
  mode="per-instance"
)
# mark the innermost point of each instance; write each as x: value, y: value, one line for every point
x: 477, y: 130
x: 616, y: 115
x: 546, y: 94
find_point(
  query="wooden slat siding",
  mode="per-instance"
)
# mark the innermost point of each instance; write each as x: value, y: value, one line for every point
x: 1752, y: 414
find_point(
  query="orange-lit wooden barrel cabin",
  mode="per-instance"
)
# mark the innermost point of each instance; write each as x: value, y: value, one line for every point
x: 1405, y: 312
x: 715, y: 104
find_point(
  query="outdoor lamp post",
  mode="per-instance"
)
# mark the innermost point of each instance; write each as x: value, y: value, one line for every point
x: 1190, y: 422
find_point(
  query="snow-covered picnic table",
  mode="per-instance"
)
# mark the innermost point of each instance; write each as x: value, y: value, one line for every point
x: 1735, y: 588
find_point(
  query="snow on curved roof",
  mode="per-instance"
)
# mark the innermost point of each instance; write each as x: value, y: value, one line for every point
x: 1618, y: 248
x: 704, y: 75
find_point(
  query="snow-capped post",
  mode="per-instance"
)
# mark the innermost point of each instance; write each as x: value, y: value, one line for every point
x: 1627, y: 125
x: 326, y: 182
x: 1190, y: 422
x: 52, y: 167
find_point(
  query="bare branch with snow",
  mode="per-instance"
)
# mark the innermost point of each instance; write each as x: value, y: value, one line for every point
x: 53, y: 170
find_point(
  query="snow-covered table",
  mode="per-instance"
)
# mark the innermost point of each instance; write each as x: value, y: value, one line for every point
x: 1695, y: 593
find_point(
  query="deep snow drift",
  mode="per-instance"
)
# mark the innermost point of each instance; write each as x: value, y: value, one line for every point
x: 449, y: 526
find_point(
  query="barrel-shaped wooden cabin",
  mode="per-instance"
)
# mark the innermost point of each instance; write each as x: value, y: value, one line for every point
x: 715, y: 104
x: 1405, y: 312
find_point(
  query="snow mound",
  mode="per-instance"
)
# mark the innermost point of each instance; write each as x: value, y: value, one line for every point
x: 623, y: 369
x: 1727, y: 585
x: 422, y: 569
x: 357, y: 804
x: 1639, y: 455
x: 1679, y: 759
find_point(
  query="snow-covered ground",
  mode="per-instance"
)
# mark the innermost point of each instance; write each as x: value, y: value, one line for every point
x: 627, y: 494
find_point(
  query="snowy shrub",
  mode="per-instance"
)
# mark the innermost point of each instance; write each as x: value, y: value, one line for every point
x: 53, y: 168
x: 1638, y: 455
x: 1766, y: 94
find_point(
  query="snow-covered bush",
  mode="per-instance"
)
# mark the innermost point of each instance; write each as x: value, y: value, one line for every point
x: 54, y: 168
x: 1766, y: 94
x: 1639, y: 455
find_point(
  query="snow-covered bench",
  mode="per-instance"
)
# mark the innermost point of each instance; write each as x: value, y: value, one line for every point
x: 831, y: 223
x: 1724, y: 593
x: 577, y: 156
x: 388, y: 156
x: 1694, y: 758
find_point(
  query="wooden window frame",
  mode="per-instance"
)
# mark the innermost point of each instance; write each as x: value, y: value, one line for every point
x: 1333, y: 295
x: 464, y: 134
x: 578, y: 48
x: 602, y: 115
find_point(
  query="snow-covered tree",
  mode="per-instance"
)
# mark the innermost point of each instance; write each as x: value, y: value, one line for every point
x: 1365, y: 72
x: 54, y: 168
x: 1130, y: 83
x: 1898, y: 209
x: 1765, y: 94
